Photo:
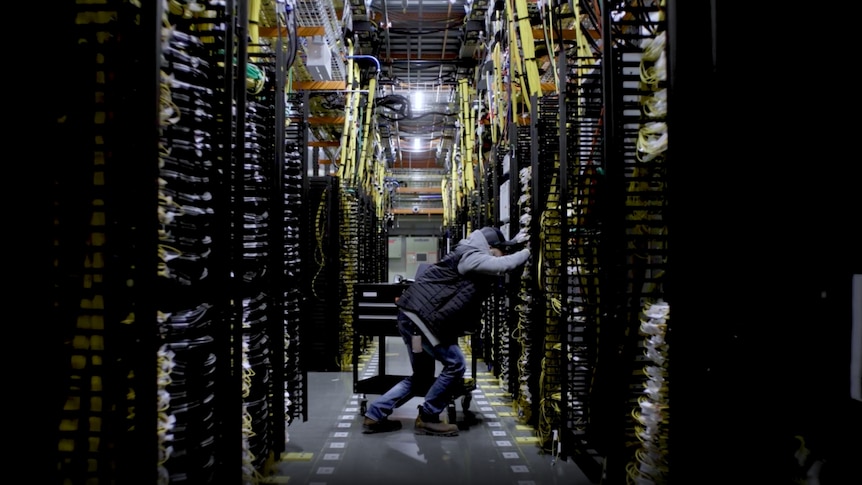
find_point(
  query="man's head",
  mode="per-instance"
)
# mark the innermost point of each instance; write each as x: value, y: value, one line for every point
x: 496, y: 240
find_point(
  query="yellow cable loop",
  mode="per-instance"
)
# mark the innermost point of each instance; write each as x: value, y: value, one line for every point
x: 247, y: 374
x: 319, y: 256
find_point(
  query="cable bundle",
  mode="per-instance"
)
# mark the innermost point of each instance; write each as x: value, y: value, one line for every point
x: 642, y: 60
x: 250, y: 474
x: 550, y: 268
x: 186, y: 377
x: 650, y: 465
x: 524, y: 309
x: 349, y: 251
x: 585, y: 164
x: 186, y: 382
x: 291, y: 221
x: 164, y: 429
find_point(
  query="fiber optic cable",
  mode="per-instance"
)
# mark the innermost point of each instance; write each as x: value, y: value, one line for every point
x: 497, y: 119
x: 448, y: 217
x: 319, y: 255
x: 254, y: 25
x: 549, y: 43
x: 469, y: 141
x: 349, y: 236
x: 164, y: 367
x: 584, y: 51
x: 346, y: 131
x: 549, y: 265
x: 524, y: 307
x: 347, y: 172
x: 528, y: 46
x: 516, y: 70
x: 365, y: 158
x: 651, y: 461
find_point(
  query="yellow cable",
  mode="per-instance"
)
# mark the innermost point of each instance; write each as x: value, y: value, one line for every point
x: 319, y: 256
x: 528, y: 46
x: 468, y: 126
x: 365, y: 158
x: 549, y: 44
x: 497, y: 119
x: 253, y: 25
x: 516, y: 71
x: 348, y: 97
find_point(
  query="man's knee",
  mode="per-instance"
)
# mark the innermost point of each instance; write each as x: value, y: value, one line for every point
x: 459, y: 367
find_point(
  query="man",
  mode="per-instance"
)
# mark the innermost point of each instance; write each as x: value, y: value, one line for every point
x: 442, y: 304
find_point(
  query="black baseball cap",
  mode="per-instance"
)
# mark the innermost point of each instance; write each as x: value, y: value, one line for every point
x: 496, y: 239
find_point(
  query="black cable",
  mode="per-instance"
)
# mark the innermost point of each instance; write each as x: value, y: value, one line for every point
x: 290, y: 25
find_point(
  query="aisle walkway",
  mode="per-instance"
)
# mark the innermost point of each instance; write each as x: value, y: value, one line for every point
x: 492, y: 448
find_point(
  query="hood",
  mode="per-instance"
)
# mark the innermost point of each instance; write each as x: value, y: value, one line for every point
x: 477, y: 240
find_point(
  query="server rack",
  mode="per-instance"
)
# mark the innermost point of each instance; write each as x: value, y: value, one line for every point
x: 321, y: 264
x: 594, y: 208
x: 152, y: 235
x: 296, y: 229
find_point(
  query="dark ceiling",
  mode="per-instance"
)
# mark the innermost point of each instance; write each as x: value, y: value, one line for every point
x: 423, y: 47
x: 412, y: 48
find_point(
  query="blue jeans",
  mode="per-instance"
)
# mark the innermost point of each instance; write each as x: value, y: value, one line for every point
x: 439, y: 391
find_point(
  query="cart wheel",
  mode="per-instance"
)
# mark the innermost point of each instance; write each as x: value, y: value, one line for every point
x: 453, y: 418
x: 363, y: 407
x: 465, y: 401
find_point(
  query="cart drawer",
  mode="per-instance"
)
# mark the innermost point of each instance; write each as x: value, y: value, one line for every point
x: 375, y: 312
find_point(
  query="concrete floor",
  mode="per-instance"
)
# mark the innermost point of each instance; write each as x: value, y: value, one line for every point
x: 492, y: 447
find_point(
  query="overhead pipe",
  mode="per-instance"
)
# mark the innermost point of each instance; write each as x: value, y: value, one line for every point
x: 376, y: 61
x: 432, y: 62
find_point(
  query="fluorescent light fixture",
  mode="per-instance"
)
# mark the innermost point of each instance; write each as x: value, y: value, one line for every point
x: 417, y: 143
x: 418, y: 101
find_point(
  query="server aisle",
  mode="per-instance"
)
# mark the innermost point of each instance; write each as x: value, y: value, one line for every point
x: 173, y: 315
x: 492, y: 447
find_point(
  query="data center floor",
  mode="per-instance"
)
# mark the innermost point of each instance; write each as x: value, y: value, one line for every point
x: 493, y: 447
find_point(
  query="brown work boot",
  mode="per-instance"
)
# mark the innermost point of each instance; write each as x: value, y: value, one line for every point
x: 432, y: 425
x: 370, y: 426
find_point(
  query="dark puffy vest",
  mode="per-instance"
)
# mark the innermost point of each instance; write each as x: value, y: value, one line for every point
x: 448, y: 302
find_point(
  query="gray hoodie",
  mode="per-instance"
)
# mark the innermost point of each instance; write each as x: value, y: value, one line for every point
x: 448, y: 295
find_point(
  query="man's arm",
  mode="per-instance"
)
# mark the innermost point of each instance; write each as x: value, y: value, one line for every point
x: 485, y: 263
